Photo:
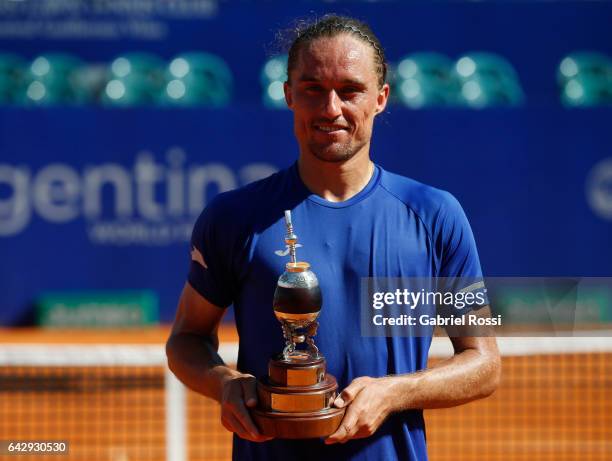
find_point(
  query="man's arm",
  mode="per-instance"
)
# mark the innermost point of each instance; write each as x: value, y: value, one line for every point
x: 193, y: 358
x: 473, y: 372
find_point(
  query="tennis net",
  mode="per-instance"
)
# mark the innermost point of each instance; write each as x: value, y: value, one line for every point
x: 118, y: 402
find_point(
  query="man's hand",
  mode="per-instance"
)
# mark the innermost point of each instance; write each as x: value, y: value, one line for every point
x: 239, y: 392
x: 368, y: 405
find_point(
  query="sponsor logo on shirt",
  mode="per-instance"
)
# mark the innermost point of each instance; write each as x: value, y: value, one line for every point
x: 197, y: 257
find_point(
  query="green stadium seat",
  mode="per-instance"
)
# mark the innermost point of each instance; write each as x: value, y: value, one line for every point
x: 91, y: 79
x: 197, y: 79
x: 585, y: 63
x: 484, y: 92
x: 190, y: 92
x: 477, y: 93
x: 434, y: 67
x: 134, y: 79
x: 586, y: 91
x: 272, y: 78
x: 424, y: 80
x: 137, y: 63
x: 485, y: 65
x: 53, y: 79
x: 12, y: 71
x: 419, y: 93
x: 134, y: 90
x: 585, y: 79
x: 487, y: 80
x: 54, y: 68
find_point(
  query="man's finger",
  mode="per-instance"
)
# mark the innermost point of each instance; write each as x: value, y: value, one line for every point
x: 242, y: 414
x: 232, y: 424
x: 336, y: 436
x: 346, y: 427
x: 249, y: 391
x: 262, y: 438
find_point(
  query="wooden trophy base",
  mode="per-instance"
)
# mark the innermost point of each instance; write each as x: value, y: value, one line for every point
x: 298, y: 425
x: 296, y: 398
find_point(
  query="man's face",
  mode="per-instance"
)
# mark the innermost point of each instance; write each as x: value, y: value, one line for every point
x: 334, y: 97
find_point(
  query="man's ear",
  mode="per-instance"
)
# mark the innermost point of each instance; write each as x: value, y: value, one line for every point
x: 288, y: 97
x: 383, y: 97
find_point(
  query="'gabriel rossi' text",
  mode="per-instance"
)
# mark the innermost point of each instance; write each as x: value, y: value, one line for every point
x: 412, y: 299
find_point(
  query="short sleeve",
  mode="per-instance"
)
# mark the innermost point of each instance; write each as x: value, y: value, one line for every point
x: 455, y: 241
x: 210, y: 270
x: 459, y: 271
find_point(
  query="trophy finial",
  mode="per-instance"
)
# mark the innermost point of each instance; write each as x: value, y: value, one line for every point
x: 290, y: 238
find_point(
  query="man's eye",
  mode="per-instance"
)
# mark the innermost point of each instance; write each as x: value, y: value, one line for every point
x: 313, y: 88
x: 350, y: 90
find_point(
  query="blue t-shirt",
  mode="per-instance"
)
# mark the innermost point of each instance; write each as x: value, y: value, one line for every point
x: 394, y: 227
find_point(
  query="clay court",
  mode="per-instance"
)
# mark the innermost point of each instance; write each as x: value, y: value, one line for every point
x: 554, y: 406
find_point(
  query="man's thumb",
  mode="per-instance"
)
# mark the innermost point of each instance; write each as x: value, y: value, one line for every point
x: 347, y: 395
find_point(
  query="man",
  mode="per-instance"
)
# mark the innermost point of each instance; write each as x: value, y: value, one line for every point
x: 354, y: 220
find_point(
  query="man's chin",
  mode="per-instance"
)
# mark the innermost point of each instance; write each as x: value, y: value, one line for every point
x: 332, y: 154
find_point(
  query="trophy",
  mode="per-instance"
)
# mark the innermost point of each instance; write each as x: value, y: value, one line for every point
x: 296, y: 397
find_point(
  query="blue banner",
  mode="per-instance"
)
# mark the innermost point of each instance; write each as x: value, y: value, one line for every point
x: 96, y: 198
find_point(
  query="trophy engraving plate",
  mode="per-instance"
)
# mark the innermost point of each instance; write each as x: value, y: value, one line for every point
x: 302, y: 377
x: 297, y: 402
x: 293, y: 373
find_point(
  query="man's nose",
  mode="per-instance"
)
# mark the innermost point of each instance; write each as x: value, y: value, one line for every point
x: 332, y: 105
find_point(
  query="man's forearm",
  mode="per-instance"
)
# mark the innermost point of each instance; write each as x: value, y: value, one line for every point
x: 195, y: 361
x: 467, y: 376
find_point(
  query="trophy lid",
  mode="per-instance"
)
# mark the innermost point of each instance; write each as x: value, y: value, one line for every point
x: 299, y: 266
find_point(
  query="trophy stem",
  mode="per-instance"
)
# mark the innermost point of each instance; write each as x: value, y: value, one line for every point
x: 312, y: 347
x: 289, y: 344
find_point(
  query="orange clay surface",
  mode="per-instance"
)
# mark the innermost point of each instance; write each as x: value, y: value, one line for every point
x: 548, y: 407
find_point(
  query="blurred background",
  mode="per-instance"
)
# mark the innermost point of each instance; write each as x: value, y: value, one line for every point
x: 121, y: 119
